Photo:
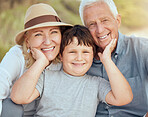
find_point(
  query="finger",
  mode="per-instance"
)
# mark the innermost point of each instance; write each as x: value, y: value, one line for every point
x: 115, y: 40
x: 32, y: 50
x: 99, y: 54
x: 111, y: 42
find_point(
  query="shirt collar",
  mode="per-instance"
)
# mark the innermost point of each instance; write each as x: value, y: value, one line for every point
x: 119, y: 47
x: 119, y: 44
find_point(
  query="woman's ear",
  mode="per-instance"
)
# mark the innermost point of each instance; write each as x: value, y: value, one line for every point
x: 27, y: 41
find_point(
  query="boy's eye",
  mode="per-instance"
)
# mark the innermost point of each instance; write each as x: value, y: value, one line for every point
x: 72, y: 52
x: 85, y: 52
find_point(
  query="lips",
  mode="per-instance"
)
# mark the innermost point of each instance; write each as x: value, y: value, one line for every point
x: 78, y: 64
x: 48, y: 49
x: 103, y: 37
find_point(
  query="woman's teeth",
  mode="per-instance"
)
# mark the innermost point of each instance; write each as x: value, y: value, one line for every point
x: 48, y: 49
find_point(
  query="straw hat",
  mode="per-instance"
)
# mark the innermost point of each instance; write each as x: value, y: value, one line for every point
x: 39, y: 15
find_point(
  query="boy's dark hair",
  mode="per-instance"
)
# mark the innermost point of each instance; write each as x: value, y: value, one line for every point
x: 83, y: 35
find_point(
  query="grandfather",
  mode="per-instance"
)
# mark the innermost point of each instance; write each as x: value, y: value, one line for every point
x: 130, y: 55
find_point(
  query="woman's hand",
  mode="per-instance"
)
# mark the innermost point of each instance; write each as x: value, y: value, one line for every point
x: 24, y: 89
x: 39, y: 55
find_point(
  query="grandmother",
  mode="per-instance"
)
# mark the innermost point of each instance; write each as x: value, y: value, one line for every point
x: 43, y: 31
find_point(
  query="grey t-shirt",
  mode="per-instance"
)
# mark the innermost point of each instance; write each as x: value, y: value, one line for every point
x: 70, y: 96
x: 30, y: 109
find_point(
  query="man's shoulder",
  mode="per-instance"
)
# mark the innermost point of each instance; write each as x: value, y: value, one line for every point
x: 132, y: 41
x: 135, y: 39
x: 133, y: 46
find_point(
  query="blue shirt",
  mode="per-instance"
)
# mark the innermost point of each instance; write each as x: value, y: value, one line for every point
x: 130, y: 57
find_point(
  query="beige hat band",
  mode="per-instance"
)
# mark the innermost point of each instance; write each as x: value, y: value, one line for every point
x: 42, y: 19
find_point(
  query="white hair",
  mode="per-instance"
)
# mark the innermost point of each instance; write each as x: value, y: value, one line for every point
x: 110, y: 4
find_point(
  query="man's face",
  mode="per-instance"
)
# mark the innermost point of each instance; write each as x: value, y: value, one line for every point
x: 101, y: 23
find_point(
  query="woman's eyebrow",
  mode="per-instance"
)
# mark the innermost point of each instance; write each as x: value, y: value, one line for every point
x: 56, y: 28
x: 37, y: 31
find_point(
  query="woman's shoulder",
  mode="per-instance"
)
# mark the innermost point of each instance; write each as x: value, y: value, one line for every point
x: 16, y: 51
x: 16, y: 48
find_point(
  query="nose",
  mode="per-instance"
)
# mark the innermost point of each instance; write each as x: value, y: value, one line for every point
x: 100, y: 27
x: 47, y: 40
x: 79, y: 57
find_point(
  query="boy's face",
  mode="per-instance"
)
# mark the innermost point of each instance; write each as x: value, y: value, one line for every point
x: 77, y: 59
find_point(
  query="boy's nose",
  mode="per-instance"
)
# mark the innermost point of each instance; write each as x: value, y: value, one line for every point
x: 79, y: 56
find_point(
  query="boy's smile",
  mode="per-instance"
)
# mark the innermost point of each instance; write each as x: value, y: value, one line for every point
x: 77, y: 59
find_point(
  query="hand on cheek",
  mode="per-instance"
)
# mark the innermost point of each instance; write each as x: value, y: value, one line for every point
x: 39, y: 55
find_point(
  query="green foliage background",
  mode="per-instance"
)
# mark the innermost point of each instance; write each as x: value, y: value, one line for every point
x: 134, y: 15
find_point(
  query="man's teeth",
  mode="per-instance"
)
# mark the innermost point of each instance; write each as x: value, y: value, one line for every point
x: 103, y: 37
x: 48, y: 49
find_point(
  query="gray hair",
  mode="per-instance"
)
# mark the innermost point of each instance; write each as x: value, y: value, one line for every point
x: 84, y: 3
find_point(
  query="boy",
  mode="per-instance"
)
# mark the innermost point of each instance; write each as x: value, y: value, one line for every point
x: 69, y: 92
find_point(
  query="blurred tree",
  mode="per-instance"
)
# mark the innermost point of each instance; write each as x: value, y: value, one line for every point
x: 12, y: 3
x: 134, y: 15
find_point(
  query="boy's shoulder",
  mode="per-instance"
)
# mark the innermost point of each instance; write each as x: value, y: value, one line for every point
x: 95, y: 78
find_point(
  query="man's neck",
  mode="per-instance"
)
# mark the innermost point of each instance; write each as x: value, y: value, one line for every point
x: 96, y: 57
x: 96, y: 54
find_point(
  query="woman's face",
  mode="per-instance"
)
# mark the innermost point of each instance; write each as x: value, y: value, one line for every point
x: 46, y: 39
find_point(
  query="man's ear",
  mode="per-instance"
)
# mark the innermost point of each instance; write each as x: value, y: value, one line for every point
x: 118, y: 20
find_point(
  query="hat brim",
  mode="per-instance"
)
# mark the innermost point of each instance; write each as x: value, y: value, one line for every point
x: 19, y: 39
